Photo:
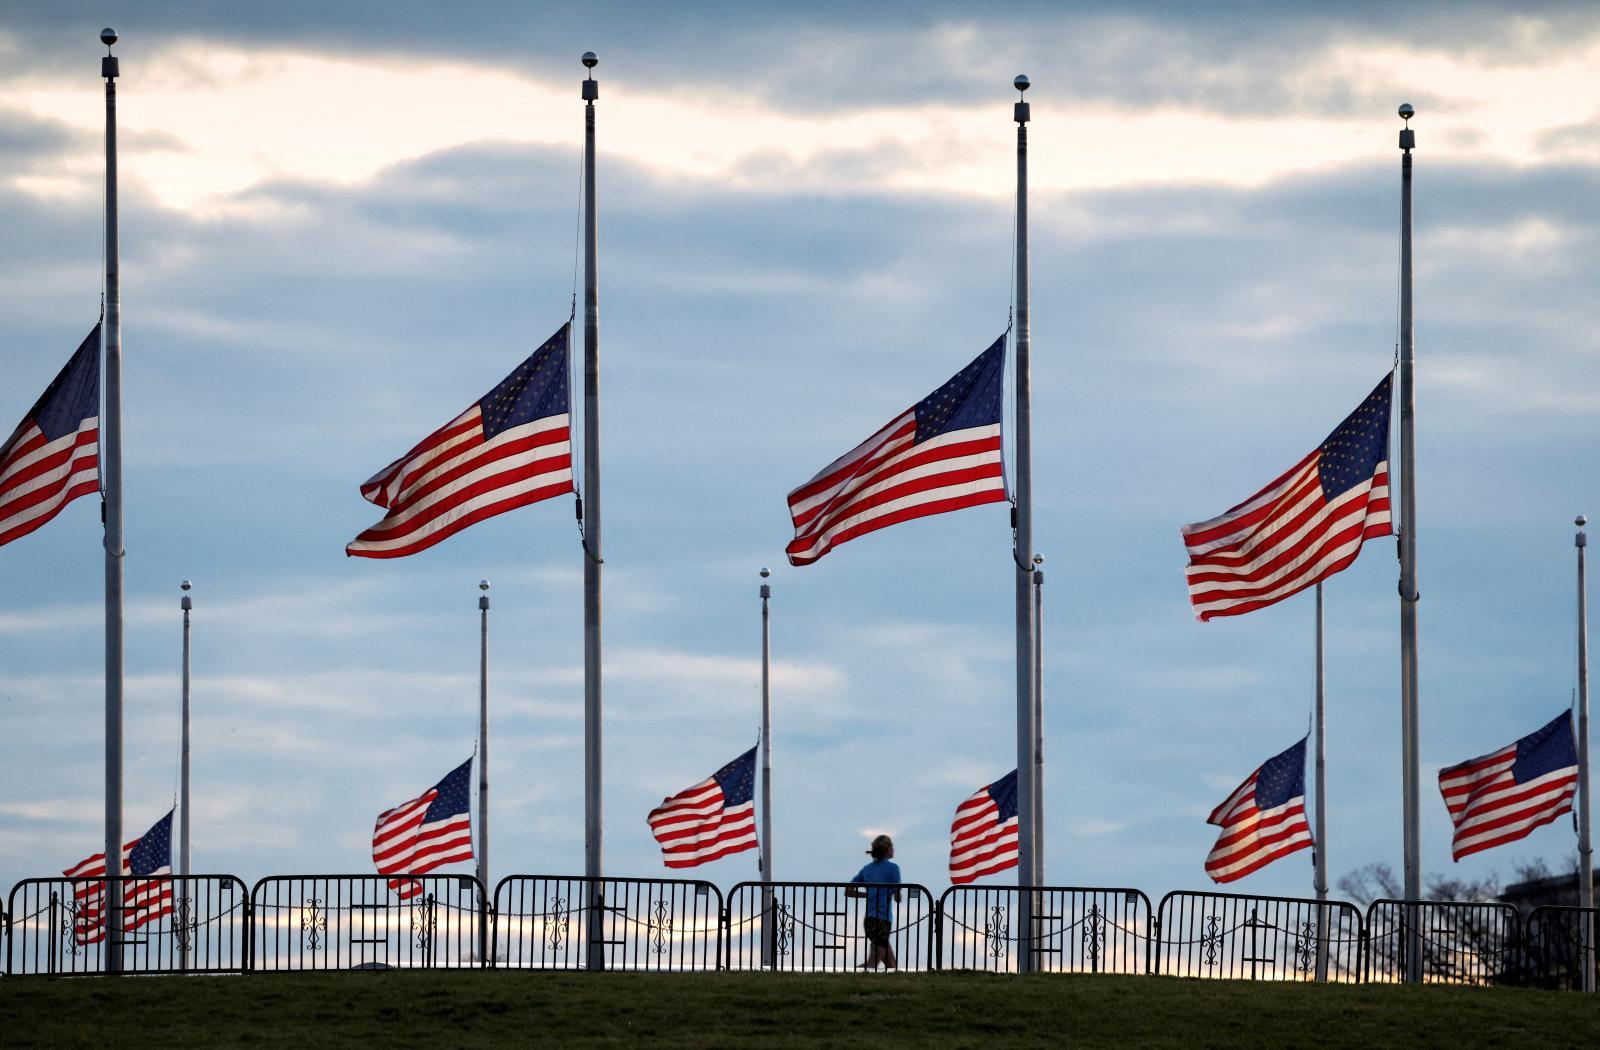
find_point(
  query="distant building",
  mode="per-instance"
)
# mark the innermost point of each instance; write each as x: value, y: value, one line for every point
x: 1557, y: 889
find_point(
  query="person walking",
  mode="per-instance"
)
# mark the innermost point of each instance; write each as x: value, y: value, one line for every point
x: 874, y: 882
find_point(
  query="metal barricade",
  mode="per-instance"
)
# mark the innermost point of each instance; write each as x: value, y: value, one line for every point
x: 1461, y: 943
x: 1243, y: 936
x: 561, y: 922
x: 367, y: 922
x: 198, y: 924
x: 819, y: 926
x: 1561, y: 947
x: 1081, y: 929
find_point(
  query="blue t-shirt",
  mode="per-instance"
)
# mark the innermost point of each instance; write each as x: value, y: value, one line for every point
x: 880, y: 902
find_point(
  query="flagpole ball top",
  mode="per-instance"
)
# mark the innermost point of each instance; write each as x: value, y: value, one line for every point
x: 1580, y: 521
x: 1407, y: 111
x: 590, y: 60
x: 1021, y: 82
x: 185, y: 585
x: 1038, y: 559
x: 108, y: 36
x: 765, y: 572
x: 483, y: 585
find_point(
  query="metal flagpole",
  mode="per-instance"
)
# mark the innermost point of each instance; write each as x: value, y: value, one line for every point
x: 593, y: 817
x: 111, y: 461
x: 1585, y: 847
x: 1408, y: 564
x: 768, y: 927
x: 184, y: 869
x: 483, y: 735
x: 1321, y: 832
x: 1028, y: 873
x: 1038, y: 715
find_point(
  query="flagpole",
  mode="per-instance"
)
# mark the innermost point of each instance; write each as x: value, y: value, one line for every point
x: 1321, y: 832
x: 1585, y: 818
x: 1408, y: 563
x: 1038, y: 713
x: 184, y: 869
x: 593, y: 816
x: 1028, y: 872
x: 483, y: 735
x: 768, y: 930
x: 111, y: 435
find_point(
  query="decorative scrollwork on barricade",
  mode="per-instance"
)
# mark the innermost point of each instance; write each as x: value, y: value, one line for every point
x: 996, y: 932
x: 313, y: 925
x: 660, y: 926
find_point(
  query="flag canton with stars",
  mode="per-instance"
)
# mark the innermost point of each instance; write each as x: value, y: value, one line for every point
x: 74, y: 395
x: 153, y: 854
x: 1353, y: 451
x: 1545, y: 751
x: 537, y: 389
x: 737, y: 779
x: 452, y: 800
x: 1004, y: 794
x: 971, y: 398
x: 1282, y: 778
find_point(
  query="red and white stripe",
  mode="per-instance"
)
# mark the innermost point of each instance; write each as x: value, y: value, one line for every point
x: 1489, y: 808
x: 402, y: 843
x: 143, y: 901
x: 979, y: 844
x: 1281, y: 540
x: 695, y: 826
x: 890, y: 478
x: 454, y: 478
x: 39, y: 477
x: 1253, y: 838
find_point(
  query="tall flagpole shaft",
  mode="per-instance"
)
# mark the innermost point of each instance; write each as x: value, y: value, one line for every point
x: 111, y: 436
x: 483, y: 736
x: 1038, y: 717
x: 1028, y: 867
x: 184, y: 917
x: 768, y: 927
x: 1585, y: 815
x: 1408, y: 564
x: 1320, y: 833
x: 593, y: 814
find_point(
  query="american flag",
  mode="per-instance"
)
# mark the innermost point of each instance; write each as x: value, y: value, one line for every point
x: 1301, y: 529
x: 1502, y: 796
x: 714, y: 818
x: 983, y: 839
x: 146, y: 857
x: 53, y: 456
x: 430, y: 831
x: 941, y: 455
x: 511, y: 449
x: 1264, y: 818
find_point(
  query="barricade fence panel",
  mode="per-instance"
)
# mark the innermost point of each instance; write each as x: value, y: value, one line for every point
x: 170, y: 924
x: 1241, y: 936
x: 1561, y: 948
x: 368, y: 922
x: 821, y: 926
x: 1458, y: 942
x: 555, y: 922
x: 1078, y: 929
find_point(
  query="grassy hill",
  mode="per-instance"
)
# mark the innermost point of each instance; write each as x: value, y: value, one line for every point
x: 471, y: 1009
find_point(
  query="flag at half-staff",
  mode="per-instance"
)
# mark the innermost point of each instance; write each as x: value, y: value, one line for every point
x: 1502, y: 796
x: 942, y: 454
x: 148, y: 857
x: 512, y: 448
x: 712, y: 819
x: 983, y: 837
x: 1264, y: 818
x: 430, y: 831
x: 53, y: 456
x: 1304, y: 527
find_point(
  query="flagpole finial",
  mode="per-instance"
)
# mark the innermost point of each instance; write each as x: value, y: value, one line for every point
x: 108, y: 36
x: 1583, y: 537
x: 1020, y: 111
x: 186, y: 604
x: 483, y: 585
x: 108, y: 64
x: 590, y: 60
x: 1407, y: 111
x: 765, y: 572
x: 591, y: 87
x: 1408, y: 138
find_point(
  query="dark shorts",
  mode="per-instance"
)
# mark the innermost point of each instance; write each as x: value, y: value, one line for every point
x: 877, y: 931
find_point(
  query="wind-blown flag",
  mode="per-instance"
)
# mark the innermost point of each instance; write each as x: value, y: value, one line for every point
x: 1264, y: 818
x: 714, y: 818
x: 53, y: 456
x: 146, y: 857
x: 428, y: 832
x: 940, y: 455
x: 983, y: 838
x: 510, y: 449
x: 1502, y: 796
x: 1301, y: 529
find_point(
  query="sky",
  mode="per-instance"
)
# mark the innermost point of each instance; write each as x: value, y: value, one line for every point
x: 341, y: 224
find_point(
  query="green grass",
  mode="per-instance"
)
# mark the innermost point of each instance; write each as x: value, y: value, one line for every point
x: 419, y: 1009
